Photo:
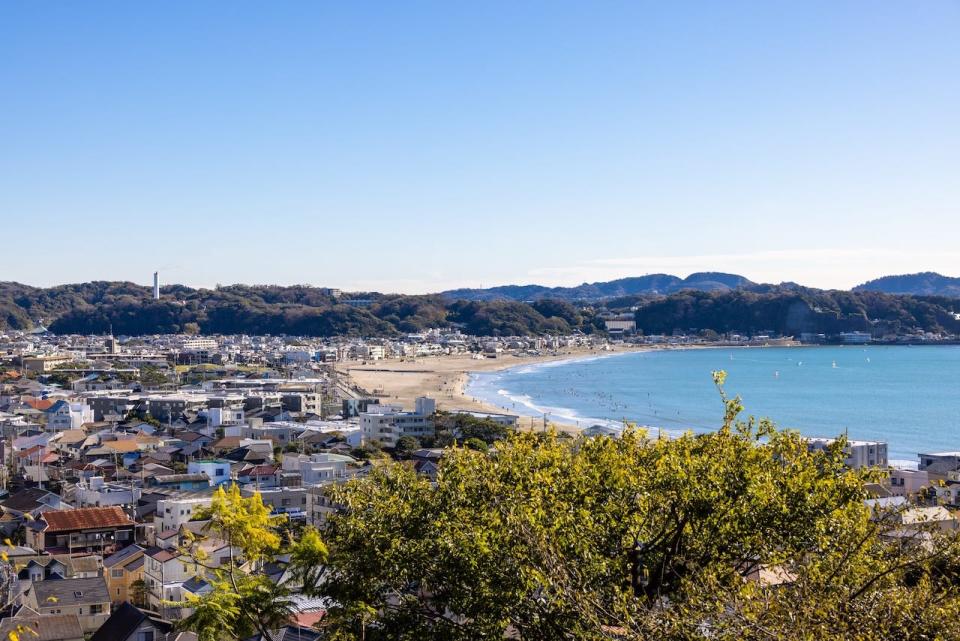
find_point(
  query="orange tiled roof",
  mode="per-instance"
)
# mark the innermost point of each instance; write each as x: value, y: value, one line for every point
x: 30, y: 452
x: 39, y: 403
x: 85, y: 518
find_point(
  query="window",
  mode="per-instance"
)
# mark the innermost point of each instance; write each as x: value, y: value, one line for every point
x: 219, y: 471
x: 96, y: 609
x: 117, y: 574
x: 145, y: 635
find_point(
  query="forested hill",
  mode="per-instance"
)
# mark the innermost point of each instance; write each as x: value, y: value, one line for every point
x: 922, y: 284
x: 127, y: 308
x: 95, y: 308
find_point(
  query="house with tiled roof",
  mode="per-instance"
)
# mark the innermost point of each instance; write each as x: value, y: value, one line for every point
x: 69, y: 442
x: 31, y: 501
x: 39, y: 404
x: 85, y: 598
x: 90, y: 529
x: 264, y: 476
x: 49, y: 627
x: 165, y: 572
x: 129, y: 623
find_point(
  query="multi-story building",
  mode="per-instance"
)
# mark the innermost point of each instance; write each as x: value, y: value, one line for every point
x: 386, y: 425
x: 855, y: 338
x: 100, y: 530
x: 41, y: 364
x: 859, y: 453
x: 907, y: 482
x: 68, y: 416
x: 177, y: 510
x: 303, y: 402
x: 121, y: 569
x: 317, y: 469
x: 291, y: 501
x: 96, y: 492
x: 507, y: 420
x: 939, y: 462
x: 165, y: 572
x: 217, y: 470
x: 319, y: 506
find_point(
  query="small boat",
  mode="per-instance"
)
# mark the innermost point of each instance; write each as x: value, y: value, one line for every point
x: 834, y: 364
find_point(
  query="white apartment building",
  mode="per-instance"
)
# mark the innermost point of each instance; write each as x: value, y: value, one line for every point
x: 859, y: 453
x: 96, y: 492
x: 68, y: 416
x: 317, y: 469
x: 384, y: 425
x: 173, y: 512
x: 197, y: 344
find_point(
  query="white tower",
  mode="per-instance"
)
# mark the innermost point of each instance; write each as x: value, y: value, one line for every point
x: 156, y: 285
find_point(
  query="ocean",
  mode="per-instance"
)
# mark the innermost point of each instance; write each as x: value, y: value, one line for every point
x: 908, y: 397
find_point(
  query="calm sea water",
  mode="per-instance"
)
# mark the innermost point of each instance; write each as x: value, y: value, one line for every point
x: 906, y: 396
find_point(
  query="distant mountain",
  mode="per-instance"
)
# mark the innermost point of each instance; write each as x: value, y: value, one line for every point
x: 922, y: 284
x: 637, y: 285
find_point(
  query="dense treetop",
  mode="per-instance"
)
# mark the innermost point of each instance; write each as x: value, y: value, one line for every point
x: 742, y: 533
x: 93, y: 308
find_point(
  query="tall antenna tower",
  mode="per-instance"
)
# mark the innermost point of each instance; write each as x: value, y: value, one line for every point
x: 156, y: 285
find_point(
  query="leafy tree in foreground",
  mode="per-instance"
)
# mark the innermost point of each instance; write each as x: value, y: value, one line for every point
x: 742, y: 533
x: 634, y: 538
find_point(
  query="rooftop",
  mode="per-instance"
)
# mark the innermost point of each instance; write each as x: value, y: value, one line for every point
x: 85, y: 518
x: 70, y: 592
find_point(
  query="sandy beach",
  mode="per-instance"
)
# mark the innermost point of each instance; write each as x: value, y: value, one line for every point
x: 445, y: 378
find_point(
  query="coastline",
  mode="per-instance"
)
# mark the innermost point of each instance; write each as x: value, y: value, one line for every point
x: 446, y: 378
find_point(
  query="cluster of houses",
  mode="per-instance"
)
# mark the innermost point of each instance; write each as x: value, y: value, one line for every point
x: 105, y: 476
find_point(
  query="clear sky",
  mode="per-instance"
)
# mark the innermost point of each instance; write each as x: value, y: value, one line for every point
x: 418, y: 146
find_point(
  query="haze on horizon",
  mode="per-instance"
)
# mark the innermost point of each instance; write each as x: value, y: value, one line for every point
x: 424, y: 147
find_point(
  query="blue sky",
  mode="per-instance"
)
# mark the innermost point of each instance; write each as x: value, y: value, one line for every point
x: 426, y: 145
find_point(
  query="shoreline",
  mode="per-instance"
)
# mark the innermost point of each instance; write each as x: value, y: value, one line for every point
x: 446, y: 378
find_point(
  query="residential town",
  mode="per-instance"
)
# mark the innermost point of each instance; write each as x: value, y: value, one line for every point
x: 113, y: 447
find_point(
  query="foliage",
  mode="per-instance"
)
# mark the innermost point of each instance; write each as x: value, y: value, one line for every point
x: 241, y: 603
x: 138, y: 593
x: 466, y: 426
x: 406, y: 445
x: 793, y: 311
x: 707, y: 302
x: 742, y: 533
x: 152, y: 376
x: 476, y: 444
x: 634, y: 537
x: 95, y: 308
